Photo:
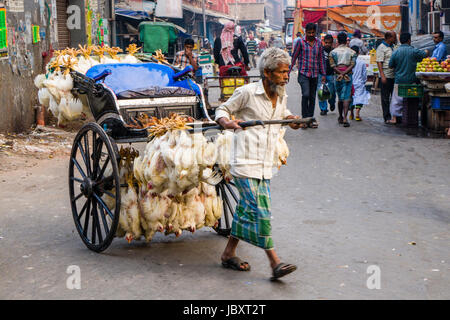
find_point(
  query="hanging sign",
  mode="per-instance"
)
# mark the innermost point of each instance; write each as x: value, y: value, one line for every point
x: 3, y: 34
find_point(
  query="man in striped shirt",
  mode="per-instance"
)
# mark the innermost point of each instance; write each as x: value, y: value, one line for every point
x: 251, y: 49
x: 308, y: 52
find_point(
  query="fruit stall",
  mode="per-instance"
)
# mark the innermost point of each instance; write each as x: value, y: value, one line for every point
x: 435, y: 79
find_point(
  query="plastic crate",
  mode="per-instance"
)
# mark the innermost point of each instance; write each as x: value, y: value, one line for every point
x: 440, y: 103
x: 410, y: 90
x: 230, y: 84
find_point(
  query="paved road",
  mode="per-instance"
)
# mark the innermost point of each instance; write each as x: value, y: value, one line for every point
x: 348, y: 199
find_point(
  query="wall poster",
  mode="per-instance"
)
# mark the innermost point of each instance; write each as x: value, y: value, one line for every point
x: 3, y: 34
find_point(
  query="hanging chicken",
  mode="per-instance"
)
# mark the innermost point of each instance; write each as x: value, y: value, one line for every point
x: 281, y: 150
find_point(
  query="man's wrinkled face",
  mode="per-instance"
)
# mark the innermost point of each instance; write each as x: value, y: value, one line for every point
x: 328, y: 43
x: 278, y: 78
x: 310, y: 34
x: 436, y: 38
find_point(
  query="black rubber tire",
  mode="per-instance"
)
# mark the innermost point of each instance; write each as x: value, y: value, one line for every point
x: 87, y: 173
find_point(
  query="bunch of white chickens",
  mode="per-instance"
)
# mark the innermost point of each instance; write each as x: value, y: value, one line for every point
x: 171, y: 187
x: 55, y: 86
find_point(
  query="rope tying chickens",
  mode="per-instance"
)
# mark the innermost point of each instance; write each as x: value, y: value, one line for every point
x: 161, y: 126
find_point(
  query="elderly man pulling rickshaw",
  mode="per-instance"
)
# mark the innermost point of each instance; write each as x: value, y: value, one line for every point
x: 251, y: 162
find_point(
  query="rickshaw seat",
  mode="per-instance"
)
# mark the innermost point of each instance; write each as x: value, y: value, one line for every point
x: 143, y: 80
x: 155, y: 92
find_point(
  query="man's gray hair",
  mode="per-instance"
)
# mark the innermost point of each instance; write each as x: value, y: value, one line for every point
x: 271, y: 58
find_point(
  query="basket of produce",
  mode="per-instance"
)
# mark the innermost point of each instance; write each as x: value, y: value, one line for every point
x: 431, y: 69
x: 410, y: 90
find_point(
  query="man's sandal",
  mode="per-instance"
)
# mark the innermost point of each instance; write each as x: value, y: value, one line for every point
x: 236, y: 264
x: 313, y: 125
x: 282, y: 269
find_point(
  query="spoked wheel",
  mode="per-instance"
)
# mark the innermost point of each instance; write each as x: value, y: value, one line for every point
x: 93, y: 181
x: 230, y: 197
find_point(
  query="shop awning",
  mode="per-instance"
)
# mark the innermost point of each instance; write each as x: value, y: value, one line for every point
x: 207, y: 12
x: 356, y: 17
x: 138, y: 15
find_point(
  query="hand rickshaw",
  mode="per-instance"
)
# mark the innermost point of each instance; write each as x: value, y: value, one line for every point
x: 115, y: 93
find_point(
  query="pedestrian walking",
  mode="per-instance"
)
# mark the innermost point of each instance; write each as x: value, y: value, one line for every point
x: 228, y: 46
x: 308, y: 53
x: 383, y: 56
x: 356, y: 41
x: 343, y: 59
x: 252, y: 50
x: 299, y: 36
x: 271, y: 40
x: 361, y: 96
x: 262, y: 46
x: 327, y: 48
x: 252, y: 171
x: 404, y: 62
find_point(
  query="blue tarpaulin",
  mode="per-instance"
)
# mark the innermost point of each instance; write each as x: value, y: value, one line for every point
x: 140, y: 15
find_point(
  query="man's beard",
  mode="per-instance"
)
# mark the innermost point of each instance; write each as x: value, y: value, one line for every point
x: 276, y: 88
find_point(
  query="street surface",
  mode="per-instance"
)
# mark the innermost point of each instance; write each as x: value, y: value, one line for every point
x: 349, y: 201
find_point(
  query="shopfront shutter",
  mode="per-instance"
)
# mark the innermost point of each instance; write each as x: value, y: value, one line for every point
x: 63, y: 31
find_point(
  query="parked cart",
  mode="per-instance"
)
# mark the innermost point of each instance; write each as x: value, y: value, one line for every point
x: 224, y: 86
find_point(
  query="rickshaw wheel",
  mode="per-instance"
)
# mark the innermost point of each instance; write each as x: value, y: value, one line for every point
x: 93, y: 179
x: 230, y: 197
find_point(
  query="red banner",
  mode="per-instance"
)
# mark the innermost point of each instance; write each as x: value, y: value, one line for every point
x: 312, y: 16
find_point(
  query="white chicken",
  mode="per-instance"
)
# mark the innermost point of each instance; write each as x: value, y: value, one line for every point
x: 70, y: 109
x: 223, y: 145
x: 174, y: 216
x: 187, y: 219
x: 156, y: 173
x: 212, y: 203
x: 84, y: 64
x: 155, y: 210
x: 59, y: 86
x: 44, y: 97
x: 147, y: 205
x: 39, y: 81
x: 130, y: 58
x: 130, y: 205
x: 281, y: 150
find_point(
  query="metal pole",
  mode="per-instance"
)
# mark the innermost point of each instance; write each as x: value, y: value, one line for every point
x: 204, y: 21
x: 327, y: 18
x: 113, y: 24
x: 235, y: 11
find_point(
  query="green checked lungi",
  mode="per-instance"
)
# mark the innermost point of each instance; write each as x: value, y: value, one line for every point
x: 251, y: 220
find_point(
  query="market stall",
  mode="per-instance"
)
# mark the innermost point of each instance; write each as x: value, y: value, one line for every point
x: 434, y: 77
